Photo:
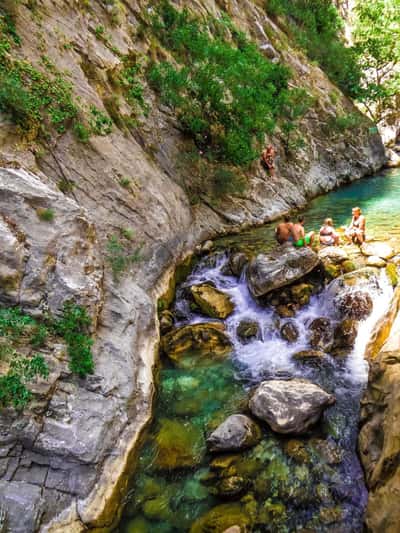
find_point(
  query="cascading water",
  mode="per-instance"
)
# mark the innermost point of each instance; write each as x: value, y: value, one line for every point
x: 310, y: 483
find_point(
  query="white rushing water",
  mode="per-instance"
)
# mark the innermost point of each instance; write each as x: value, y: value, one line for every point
x: 271, y: 355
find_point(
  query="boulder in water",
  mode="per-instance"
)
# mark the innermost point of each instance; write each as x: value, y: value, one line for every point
x: 376, y: 261
x: 301, y: 293
x: 166, y: 321
x: 211, y: 301
x: 289, y: 332
x: 286, y: 311
x: 345, y: 334
x: 279, y: 268
x: 309, y: 356
x: 321, y: 334
x: 236, y: 263
x: 237, y: 432
x: 354, y: 304
x: 333, y: 254
x: 204, y: 339
x: 248, y: 330
x: 289, y: 406
x: 381, y: 249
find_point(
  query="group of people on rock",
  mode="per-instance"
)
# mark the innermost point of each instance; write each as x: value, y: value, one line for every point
x: 294, y: 232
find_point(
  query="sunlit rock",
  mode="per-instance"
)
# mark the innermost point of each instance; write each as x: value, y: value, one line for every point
x: 237, y: 432
x: 211, y: 301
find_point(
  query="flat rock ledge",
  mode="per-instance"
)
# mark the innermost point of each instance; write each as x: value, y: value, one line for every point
x: 289, y: 407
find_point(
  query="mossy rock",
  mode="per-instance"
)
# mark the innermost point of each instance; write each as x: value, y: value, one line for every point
x: 332, y: 271
x: 158, y: 509
x: 391, y: 272
x: 273, y: 514
x: 301, y: 293
x: 139, y: 525
x: 179, y: 445
x: 211, y: 301
x: 297, y: 450
x: 222, y: 517
x: 189, y: 344
x: 348, y: 266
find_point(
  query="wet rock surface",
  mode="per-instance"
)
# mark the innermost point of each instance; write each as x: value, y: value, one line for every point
x: 237, y: 432
x: 278, y: 269
x: 212, y: 302
x: 354, y: 304
x: 289, y: 332
x: 247, y: 330
x: 289, y: 406
x: 321, y: 334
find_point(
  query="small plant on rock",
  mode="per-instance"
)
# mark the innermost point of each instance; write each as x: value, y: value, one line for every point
x: 119, y: 257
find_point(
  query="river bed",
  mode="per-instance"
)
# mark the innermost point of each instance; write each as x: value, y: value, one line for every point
x: 311, y: 483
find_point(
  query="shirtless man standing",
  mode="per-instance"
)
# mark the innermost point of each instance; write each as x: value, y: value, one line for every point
x: 283, y: 231
x: 300, y: 237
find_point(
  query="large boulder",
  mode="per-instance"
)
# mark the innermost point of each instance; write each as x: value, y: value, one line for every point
x: 212, y: 302
x: 283, y: 266
x: 380, y: 249
x: 289, y: 406
x: 204, y: 339
x: 236, y: 433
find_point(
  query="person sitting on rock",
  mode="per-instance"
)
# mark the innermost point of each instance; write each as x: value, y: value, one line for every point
x: 283, y: 231
x: 268, y: 157
x: 300, y: 237
x: 356, y: 231
x: 327, y: 234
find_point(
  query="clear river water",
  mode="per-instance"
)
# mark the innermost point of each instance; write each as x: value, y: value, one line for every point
x: 283, y: 484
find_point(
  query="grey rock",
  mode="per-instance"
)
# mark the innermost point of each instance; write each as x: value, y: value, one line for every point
x: 24, y: 506
x: 266, y: 273
x: 236, y: 433
x: 289, y: 407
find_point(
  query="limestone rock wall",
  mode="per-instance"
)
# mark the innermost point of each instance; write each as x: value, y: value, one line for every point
x: 66, y: 464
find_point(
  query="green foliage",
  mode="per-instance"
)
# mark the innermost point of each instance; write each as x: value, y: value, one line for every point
x: 376, y: 40
x: 100, y: 32
x: 129, y: 81
x: 128, y: 233
x: 73, y: 326
x: 100, y: 123
x: 293, y: 110
x: 226, y: 94
x: 81, y: 132
x: 45, y: 214
x: 125, y: 182
x: 317, y: 28
x: 342, y: 123
x: 13, y: 322
x: 39, y: 336
x: 119, y: 256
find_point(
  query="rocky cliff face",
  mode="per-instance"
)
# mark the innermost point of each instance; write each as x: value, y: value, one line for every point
x: 379, y: 436
x: 65, y: 460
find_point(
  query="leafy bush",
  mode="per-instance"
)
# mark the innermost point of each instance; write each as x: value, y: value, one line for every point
x: 119, y: 256
x: 317, y: 28
x: 229, y: 97
x: 129, y: 81
x: 73, y: 326
x: 13, y: 390
x: 341, y: 123
x: 13, y: 322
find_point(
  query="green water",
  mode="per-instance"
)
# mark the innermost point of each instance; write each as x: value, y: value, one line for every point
x: 312, y: 483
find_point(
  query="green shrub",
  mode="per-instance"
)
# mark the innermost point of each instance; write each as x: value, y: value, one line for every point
x: 81, y: 132
x: 45, y: 214
x: 99, y: 32
x: 226, y: 181
x: 73, y: 326
x: 119, y: 256
x: 130, y: 83
x: 342, y: 123
x: 13, y: 322
x: 13, y: 389
x: 226, y: 95
x: 100, y: 123
x: 125, y: 182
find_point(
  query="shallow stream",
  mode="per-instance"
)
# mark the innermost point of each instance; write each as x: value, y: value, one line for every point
x: 311, y: 483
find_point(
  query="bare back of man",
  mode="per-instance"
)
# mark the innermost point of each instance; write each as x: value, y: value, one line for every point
x: 283, y: 231
x: 298, y: 232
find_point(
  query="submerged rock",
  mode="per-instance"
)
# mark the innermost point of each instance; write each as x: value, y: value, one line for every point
x: 289, y: 406
x: 247, y: 330
x: 211, y: 301
x: 380, y: 249
x: 222, y: 517
x: 321, y: 334
x: 279, y: 268
x: 166, y: 321
x: 204, y: 339
x: 236, y: 263
x: 354, y: 304
x: 237, y: 432
x: 289, y: 331
x: 179, y: 445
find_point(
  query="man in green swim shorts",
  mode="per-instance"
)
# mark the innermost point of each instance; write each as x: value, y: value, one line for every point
x: 300, y: 237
